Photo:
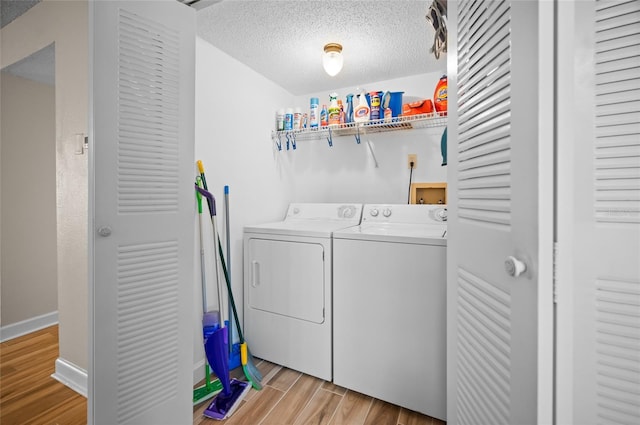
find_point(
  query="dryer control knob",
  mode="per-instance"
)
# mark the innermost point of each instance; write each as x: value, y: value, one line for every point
x: 374, y: 212
x: 386, y: 212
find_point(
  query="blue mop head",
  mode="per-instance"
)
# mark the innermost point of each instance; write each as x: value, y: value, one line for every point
x: 224, y: 404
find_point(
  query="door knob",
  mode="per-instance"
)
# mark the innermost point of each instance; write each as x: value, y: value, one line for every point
x: 514, y: 267
x: 104, y: 231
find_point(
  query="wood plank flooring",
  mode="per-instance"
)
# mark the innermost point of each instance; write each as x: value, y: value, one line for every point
x: 293, y: 398
x: 28, y: 394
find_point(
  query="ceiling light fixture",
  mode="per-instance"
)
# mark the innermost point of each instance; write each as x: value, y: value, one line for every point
x: 332, y: 59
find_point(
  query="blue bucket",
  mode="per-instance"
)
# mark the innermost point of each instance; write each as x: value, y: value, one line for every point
x: 396, y: 103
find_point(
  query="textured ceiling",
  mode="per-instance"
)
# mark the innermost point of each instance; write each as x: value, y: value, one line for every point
x: 283, y: 40
x: 11, y: 9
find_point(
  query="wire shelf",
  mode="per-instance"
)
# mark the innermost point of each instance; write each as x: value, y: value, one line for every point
x: 290, y: 137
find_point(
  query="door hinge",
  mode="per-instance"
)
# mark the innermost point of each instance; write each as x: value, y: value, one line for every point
x: 555, y: 272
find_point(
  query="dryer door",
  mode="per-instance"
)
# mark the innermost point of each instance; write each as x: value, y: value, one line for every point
x: 287, y: 278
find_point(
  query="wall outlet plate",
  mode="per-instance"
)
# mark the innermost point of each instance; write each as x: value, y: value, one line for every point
x: 412, y: 157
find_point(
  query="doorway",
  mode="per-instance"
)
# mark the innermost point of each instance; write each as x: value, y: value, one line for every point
x: 28, y: 197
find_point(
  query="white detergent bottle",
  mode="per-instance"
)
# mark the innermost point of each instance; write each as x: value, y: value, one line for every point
x: 361, y: 112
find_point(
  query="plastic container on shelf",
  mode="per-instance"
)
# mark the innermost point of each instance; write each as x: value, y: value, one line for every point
x: 440, y: 96
x: 334, y: 109
x: 314, y: 113
x: 395, y: 103
x: 361, y: 112
x: 297, y: 119
x: 324, y: 116
x: 280, y: 119
x: 348, y: 115
x: 288, y: 119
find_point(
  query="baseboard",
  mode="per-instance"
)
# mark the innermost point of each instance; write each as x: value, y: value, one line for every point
x: 71, y: 375
x: 198, y: 372
x: 24, y: 327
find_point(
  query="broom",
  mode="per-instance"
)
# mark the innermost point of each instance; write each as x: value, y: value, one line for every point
x: 250, y: 370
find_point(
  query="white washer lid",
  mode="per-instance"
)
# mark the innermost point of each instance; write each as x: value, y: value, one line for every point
x: 427, y: 234
x: 308, y: 228
x: 311, y: 220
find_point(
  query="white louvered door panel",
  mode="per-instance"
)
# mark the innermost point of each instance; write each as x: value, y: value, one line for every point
x: 495, y: 132
x: 143, y: 212
x: 605, y: 314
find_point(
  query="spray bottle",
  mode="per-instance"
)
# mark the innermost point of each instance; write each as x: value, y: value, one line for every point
x: 361, y: 113
x: 334, y: 109
x: 349, y: 112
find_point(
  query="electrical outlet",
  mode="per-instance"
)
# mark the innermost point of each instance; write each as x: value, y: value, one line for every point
x: 412, y: 157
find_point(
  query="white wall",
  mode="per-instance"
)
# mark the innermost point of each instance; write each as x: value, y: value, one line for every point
x: 65, y: 24
x: 235, y: 114
x: 232, y: 140
x: 29, y: 260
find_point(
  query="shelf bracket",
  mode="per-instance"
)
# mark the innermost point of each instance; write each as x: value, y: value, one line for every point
x: 330, y: 138
x: 373, y: 154
x: 357, y: 135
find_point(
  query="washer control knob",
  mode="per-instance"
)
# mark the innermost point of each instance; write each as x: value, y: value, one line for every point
x: 514, y: 267
x: 386, y: 212
x: 374, y: 212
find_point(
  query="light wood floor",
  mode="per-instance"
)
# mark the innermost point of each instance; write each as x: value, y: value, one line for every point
x: 28, y: 394
x: 290, y: 397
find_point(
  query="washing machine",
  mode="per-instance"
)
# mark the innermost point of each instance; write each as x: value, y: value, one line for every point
x: 389, y: 306
x: 288, y: 286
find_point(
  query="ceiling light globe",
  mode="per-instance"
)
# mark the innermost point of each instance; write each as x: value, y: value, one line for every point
x: 332, y: 59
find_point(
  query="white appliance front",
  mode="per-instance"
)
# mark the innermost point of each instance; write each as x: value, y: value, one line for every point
x: 390, y: 309
x: 288, y: 288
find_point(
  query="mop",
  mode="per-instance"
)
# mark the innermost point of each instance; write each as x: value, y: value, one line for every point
x: 248, y: 365
x: 216, y: 346
x: 210, y: 319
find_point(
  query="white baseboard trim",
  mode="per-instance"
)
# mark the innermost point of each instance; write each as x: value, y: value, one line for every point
x: 198, y: 372
x: 24, y: 327
x: 72, y: 376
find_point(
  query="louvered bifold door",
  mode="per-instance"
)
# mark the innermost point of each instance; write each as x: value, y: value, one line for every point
x: 493, y: 137
x: 143, y: 59
x: 607, y: 288
x: 617, y: 211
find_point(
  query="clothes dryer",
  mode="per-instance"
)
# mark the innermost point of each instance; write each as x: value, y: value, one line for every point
x: 390, y: 306
x: 288, y: 286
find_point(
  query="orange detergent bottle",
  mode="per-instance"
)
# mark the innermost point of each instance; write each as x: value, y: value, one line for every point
x: 440, y: 95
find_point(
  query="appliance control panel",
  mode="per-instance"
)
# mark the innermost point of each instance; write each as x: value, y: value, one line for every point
x: 405, y: 213
x: 313, y: 211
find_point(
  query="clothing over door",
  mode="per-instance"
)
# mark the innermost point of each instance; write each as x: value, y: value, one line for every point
x: 500, y: 234
x: 142, y: 204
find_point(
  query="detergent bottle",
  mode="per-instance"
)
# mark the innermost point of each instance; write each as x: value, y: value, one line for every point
x: 440, y: 96
x: 361, y: 113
